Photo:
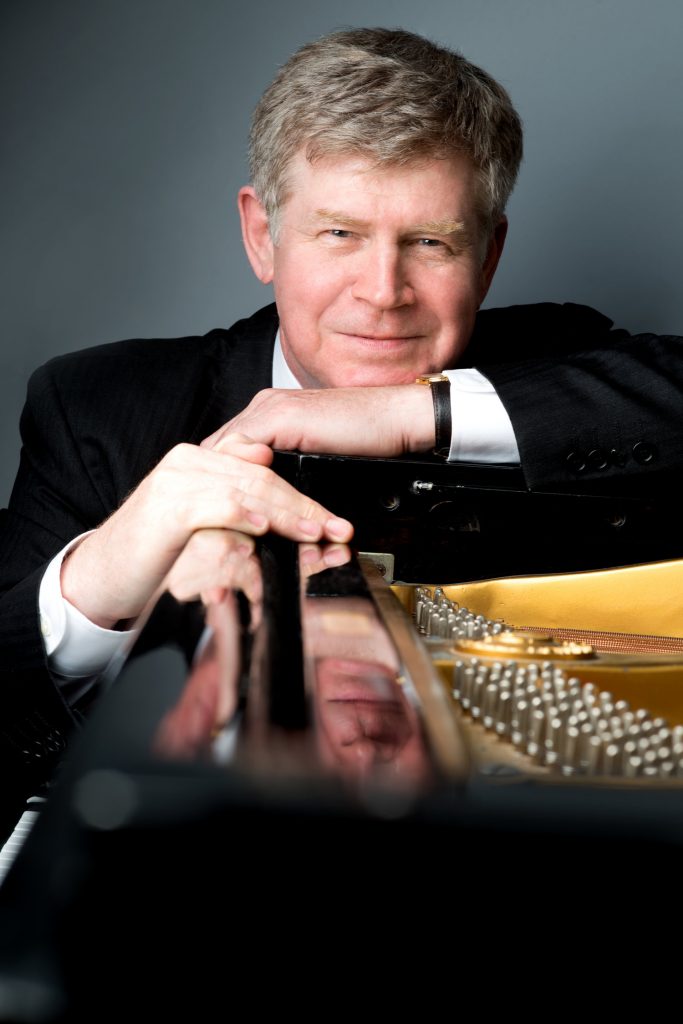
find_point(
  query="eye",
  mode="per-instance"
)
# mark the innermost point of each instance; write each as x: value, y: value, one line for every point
x: 436, y: 247
x: 340, y: 233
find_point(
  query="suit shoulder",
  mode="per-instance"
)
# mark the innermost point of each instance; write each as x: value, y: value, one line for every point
x: 539, y: 329
x: 149, y: 362
x: 128, y: 357
x: 544, y: 315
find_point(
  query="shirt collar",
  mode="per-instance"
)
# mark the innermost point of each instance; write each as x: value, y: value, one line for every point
x: 282, y: 375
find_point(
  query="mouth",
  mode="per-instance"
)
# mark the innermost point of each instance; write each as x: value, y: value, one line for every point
x: 380, y: 340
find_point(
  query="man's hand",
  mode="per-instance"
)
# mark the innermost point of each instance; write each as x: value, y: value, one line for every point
x: 114, y: 572
x: 214, y: 562
x: 342, y: 421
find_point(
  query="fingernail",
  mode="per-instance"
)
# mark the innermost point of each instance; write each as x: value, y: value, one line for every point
x: 336, y: 556
x: 257, y: 519
x: 309, y: 555
x: 340, y: 528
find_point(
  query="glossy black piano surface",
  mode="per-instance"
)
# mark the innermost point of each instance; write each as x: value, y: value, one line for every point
x: 464, y: 521
x: 297, y: 796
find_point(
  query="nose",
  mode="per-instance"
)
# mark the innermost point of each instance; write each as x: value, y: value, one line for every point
x: 380, y: 278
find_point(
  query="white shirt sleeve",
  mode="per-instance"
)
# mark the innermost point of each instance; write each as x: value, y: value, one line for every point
x: 77, y: 650
x: 481, y: 427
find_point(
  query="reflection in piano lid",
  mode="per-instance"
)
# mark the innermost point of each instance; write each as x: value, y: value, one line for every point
x: 352, y: 715
x: 206, y: 792
x: 338, y: 748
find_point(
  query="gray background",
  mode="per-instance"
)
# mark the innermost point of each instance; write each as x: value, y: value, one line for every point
x: 123, y: 133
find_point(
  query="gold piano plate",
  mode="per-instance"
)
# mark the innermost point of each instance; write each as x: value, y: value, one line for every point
x: 578, y: 674
x: 639, y: 600
x: 519, y: 644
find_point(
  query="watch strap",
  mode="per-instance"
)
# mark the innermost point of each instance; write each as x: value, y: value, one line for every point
x: 440, y: 387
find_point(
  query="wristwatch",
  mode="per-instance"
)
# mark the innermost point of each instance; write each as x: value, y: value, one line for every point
x: 441, y: 396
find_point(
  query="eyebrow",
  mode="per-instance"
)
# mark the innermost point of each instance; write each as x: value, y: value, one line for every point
x: 442, y: 227
x: 430, y: 227
x: 340, y: 217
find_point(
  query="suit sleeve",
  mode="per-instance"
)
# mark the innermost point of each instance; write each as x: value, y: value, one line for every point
x: 52, y: 501
x: 601, y: 418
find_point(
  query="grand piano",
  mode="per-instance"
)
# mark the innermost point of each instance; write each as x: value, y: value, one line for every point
x: 302, y: 784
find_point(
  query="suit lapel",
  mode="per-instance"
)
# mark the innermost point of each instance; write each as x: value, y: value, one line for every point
x: 241, y: 365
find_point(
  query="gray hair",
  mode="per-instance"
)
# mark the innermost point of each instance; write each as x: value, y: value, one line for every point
x: 391, y: 96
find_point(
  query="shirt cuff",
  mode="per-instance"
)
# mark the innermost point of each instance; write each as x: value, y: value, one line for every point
x: 74, y: 645
x: 481, y: 427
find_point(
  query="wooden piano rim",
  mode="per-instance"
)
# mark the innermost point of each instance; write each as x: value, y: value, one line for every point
x: 443, y: 733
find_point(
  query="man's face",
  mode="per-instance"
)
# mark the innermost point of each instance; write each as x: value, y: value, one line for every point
x: 377, y: 274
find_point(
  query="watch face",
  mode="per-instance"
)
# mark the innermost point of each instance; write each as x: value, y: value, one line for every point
x: 431, y: 378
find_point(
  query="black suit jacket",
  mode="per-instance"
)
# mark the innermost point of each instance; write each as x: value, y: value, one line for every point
x: 588, y: 405
x: 94, y: 424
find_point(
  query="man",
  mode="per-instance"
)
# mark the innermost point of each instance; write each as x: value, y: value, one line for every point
x: 381, y: 167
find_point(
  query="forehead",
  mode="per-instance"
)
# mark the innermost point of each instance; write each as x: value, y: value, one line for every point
x: 429, y: 189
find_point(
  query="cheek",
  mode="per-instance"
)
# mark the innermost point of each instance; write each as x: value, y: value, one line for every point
x: 308, y: 289
x: 455, y: 311
x: 465, y: 295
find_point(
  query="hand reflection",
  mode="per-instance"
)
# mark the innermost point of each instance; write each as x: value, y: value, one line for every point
x: 365, y: 724
x: 209, y: 697
x: 213, y: 562
x: 315, y: 558
x: 366, y: 727
x: 211, y: 567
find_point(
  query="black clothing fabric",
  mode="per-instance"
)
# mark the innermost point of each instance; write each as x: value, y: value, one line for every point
x: 588, y: 403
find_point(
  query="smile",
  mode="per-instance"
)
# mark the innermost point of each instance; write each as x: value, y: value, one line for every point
x: 381, y: 340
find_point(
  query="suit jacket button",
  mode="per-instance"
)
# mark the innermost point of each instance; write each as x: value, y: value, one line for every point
x: 597, y: 459
x: 643, y: 452
x: 617, y: 457
x: 576, y: 462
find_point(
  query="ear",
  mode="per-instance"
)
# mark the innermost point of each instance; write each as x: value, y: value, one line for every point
x: 256, y: 234
x: 493, y: 254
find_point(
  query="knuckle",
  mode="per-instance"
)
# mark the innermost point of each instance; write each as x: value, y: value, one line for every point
x: 161, y: 480
x: 232, y: 510
x: 178, y: 455
x: 229, y: 439
x: 178, y: 591
x: 312, y: 510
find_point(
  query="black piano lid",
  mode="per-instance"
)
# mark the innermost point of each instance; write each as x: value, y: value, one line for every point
x: 164, y: 851
x: 451, y: 522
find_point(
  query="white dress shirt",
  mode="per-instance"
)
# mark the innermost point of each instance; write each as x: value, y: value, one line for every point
x: 78, y: 650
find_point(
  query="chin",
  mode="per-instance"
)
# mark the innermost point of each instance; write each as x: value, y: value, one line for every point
x: 372, y: 378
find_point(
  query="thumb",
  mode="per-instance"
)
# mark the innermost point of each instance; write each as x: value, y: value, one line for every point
x: 239, y: 445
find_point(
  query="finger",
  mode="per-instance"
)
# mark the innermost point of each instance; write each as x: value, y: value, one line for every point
x: 242, y: 447
x: 231, y: 450
x: 213, y: 595
x: 255, y: 503
x: 310, y: 559
x: 206, y: 488
x: 271, y: 500
x: 212, y: 559
x: 211, y: 585
x: 215, y: 546
x: 314, y: 558
x: 335, y: 555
